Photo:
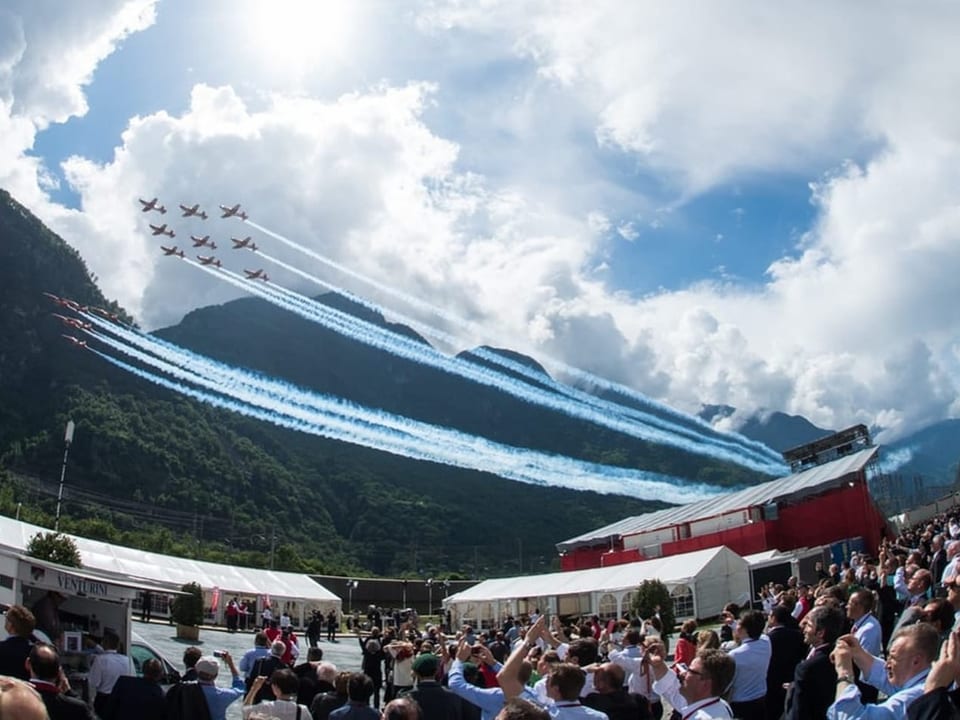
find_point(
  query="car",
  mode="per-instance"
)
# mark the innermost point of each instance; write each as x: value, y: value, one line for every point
x: 140, y: 651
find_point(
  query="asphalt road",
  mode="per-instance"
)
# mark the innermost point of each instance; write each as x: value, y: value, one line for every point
x: 345, y: 654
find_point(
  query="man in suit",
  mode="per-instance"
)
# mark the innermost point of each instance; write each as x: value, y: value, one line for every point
x: 814, y: 681
x: 19, y: 624
x: 787, y: 649
x: 43, y: 665
x: 436, y: 701
x: 136, y: 698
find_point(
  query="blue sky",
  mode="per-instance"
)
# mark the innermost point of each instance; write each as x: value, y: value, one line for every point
x: 742, y: 208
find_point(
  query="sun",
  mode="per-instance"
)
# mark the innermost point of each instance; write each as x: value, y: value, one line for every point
x: 297, y: 36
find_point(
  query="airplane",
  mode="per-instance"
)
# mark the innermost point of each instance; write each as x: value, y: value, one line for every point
x: 208, y: 260
x: 257, y: 275
x: 172, y: 251
x: 75, y: 341
x: 152, y: 205
x: 73, y: 322
x: 234, y: 211
x: 65, y: 302
x: 195, y: 210
x: 162, y: 230
x: 106, y: 313
x: 245, y: 243
x: 201, y: 241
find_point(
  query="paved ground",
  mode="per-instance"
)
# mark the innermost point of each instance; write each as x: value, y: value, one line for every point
x: 345, y: 655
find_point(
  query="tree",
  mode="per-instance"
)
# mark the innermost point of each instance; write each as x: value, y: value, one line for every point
x: 188, y: 609
x: 55, y: 547
x: 651, y: 598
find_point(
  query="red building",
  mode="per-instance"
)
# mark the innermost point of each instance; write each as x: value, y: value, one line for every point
x: 816, y: 506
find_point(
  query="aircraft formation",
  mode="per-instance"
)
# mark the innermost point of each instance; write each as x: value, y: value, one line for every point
x: 202, y: 241
x: 403, y: 436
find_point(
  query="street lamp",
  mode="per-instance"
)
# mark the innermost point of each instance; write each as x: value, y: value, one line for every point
x: 351, y: 586
x: 430, y: 594
x: 67, y: 439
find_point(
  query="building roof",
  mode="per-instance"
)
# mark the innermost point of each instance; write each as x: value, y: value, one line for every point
x: 671, y: 571
x: 791, y: 487
x: 155, y: 569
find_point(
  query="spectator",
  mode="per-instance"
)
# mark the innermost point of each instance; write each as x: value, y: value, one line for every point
x: 105, y: 669
x: 752, y: 659
x: 285, y: 685
x: 43, y: 667
x: 901, y: 678
x: 359, y: 692
x: 697, y: 694
x: 812, y: 687
x: 19, y: 624
x: 139, y: 698
x: 218, y: 699
x: 324, y: 704
x: 190, y: 657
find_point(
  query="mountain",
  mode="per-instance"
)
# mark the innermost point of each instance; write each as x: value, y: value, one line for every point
x: 920, y: 467
x: 155, y: 469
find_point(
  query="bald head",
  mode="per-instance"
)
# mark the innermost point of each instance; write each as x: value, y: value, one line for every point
x: 19, y: 701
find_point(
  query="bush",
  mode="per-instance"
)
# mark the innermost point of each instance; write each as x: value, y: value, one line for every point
x: 56, y: 548
x: 188, y: 609
x: 652, y: 598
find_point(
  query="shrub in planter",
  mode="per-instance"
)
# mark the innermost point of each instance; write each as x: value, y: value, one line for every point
x: 187, y: 611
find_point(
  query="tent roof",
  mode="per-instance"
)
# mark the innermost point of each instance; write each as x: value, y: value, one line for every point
x: 670, y: 570
x: 170, y: 571
x: 815, y: 480
x: 761, y: 558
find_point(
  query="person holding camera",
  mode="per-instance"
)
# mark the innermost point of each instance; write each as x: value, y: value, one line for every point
x: 285, y: 685
x: 218, y: 698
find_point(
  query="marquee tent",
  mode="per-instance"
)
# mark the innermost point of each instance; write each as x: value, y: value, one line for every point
x: 295, y: 593
x: 700, y: 582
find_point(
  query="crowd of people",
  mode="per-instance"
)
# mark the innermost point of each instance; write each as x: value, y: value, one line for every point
x: 874, y: 637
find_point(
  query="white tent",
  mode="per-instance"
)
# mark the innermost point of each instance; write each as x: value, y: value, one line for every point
x: 700, y: 582
x: 295, y: 592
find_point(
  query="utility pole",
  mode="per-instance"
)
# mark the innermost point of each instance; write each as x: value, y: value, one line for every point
x: 273, y: 543
x: 67, y: 440
x: 520, y: 554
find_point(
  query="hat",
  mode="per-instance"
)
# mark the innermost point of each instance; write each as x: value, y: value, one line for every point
x: 208, y: 665
x: 426, y: 664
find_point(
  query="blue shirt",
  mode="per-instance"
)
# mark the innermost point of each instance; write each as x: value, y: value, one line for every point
x: 250, y: 657
x: 752, y: 658
x: 868, y: 633
x: 849, y: 706
x: 219, y: 699
x: 489, y: 700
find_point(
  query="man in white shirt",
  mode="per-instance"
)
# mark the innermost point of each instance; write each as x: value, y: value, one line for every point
x: 752, y: 658
x: 104, y: 671
x: 696, y: 694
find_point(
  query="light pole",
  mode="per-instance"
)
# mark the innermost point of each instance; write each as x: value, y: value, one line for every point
x: 351, y: 586
x: 404, y: 594
x: 430, y: 595
x: 67, y: 439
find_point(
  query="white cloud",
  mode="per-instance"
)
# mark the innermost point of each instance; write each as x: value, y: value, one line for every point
x: 857, y: 325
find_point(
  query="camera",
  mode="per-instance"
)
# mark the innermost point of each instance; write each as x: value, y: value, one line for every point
x: 475, y: 650
x: 219, y: 653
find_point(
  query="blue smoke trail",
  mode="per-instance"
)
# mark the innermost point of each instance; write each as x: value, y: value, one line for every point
x: 695, y: 424
x: 423, y: 441
x: 626, y: 412
x: 401, y: 346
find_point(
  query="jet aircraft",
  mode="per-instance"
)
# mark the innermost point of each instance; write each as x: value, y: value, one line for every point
x: 65, y: 302
x: 201, y: 241
x: 162, y: 230
x: 257, y: 275
x: 245, y: 243
x: 73, y: 322
x: 172, y: 251
x: 195, y: 210
x: 75, y: 341
x: 234, y: 211
x: 208, y: 260
x: 113, y: 317
x: 149, y: 205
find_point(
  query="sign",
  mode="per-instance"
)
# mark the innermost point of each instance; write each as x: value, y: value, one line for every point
x: 73, y: 584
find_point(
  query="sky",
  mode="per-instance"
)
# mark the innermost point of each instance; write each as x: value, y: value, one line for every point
x: 735, y: 203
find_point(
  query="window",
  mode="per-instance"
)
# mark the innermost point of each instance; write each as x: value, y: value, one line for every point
x: 682, y: 601
x: 607, y: 607
x: 140, y: 654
